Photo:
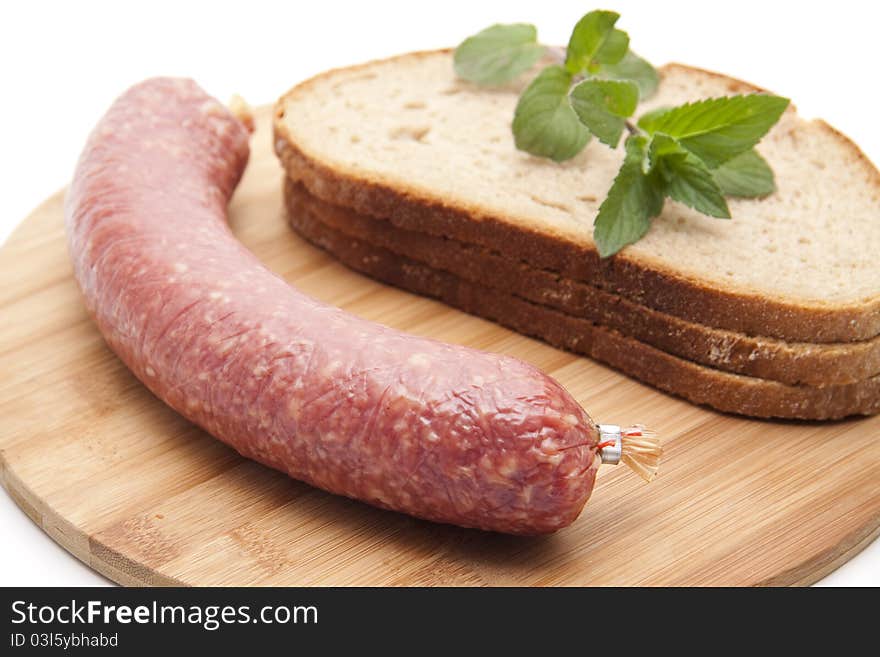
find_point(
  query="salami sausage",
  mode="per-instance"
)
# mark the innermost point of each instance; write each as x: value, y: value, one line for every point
x: 441, y: 432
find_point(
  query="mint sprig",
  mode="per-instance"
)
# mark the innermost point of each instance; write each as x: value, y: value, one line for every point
x: 717, y: 129
x: 693, y: 158
x: 695, y: 154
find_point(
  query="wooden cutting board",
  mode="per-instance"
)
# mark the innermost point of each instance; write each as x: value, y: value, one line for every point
x: 144, y: 497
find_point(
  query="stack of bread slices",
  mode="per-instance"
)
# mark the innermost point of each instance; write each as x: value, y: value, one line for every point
x: 410, y: 175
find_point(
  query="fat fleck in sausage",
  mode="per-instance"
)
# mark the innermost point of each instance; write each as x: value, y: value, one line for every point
x: 441, y: 432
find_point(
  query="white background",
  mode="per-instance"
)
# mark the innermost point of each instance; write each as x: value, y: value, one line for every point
x: 63, y: 63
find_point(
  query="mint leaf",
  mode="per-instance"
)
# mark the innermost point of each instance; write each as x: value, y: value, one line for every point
x: 595, y: 41
x: 689, y: 181
x: 685, y: 177
x: 498, y: 54
x: 648, y: 120
x: 718, y: 129
x: 603, y: 105
x: 747, y: 175
x: 660, y: 147
x: 544, y: 123
x: 632, y: 67
x: 634, y: 198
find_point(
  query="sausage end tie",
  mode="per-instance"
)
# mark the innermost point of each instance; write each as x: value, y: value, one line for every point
x: 636, y: 446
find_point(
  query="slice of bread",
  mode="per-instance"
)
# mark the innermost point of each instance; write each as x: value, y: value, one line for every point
x: 699, y: 384
x: 403, y: 139
x: 769, y: 358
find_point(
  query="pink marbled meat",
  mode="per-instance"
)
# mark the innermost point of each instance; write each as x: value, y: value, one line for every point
x: 437, y: 431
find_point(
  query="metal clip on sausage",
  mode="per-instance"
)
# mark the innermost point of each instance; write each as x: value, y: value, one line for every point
x: 610, y: 433
x: 636, y: 446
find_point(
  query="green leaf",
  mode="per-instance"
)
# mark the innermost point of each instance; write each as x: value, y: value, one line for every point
x: 685, y: 177
x: 718, y: 129
x: 689, y: 181
x: 648, y: 120
x: 595, y: 41
x: 603, y: 105
x: 544, y: 123
x: 634, y: 198
x: 747, y: 175
x: 498, y: 54
x: 632, y: 67
x: 660, y: 147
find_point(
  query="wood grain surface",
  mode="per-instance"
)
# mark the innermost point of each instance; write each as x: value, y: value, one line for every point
x: 142, y: 496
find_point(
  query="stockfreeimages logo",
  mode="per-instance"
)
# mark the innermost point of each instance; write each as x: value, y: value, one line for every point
x: 209, y: 617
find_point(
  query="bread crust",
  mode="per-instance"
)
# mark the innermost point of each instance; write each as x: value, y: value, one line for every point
x: 637, y: 278
x: 769, y: 358
x: 724, y: 391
